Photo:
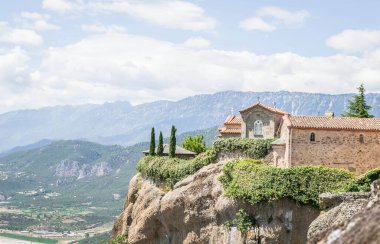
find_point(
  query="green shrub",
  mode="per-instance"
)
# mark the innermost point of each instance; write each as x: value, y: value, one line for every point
x: 253, y: 148
x: 120, y: 239
x: 254, y: 182
x: 242, y: 221
x: 363, y: 183
x: 172, y: 170
x: 194, y: 144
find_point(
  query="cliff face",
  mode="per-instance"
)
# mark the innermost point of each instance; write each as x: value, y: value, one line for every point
x: 196, y: 211
x: 351, y: 218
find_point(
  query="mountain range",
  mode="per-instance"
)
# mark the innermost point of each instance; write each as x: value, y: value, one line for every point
x: 124, y: 124
x: 69, y: 184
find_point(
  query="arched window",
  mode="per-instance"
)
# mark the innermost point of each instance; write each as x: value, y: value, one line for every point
x: 258, y: 128
x: 361, y: 138
x: 312, y: 136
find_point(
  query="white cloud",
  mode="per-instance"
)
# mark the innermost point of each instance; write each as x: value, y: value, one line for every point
x: 19, y: 36
x: 197, y: 42
x: 174, y: 14
x: 36, y: 21
x: 14, y: 78
x: 269, y: 18
x: 256, y: 23
x: 118, y: 66
x: 353, y: 41
x: 284, y: 16
x: 100, y: 28
x: 59, y: 5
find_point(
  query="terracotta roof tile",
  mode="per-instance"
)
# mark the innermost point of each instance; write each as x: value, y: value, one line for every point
x: 273, y: 109
x: 336, y: 123
x: 233, y: 120
x: 225, y: 130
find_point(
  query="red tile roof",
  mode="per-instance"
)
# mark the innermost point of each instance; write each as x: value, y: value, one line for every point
x: 272, y: 109
x: 225, y: 130
x: 233, y: 120
x: 332, y: 123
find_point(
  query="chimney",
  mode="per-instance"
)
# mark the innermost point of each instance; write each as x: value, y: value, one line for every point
x: 329, y: 114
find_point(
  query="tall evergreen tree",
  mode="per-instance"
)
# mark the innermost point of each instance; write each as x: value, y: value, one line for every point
x: 152, y: 143
x: 358, y: 106
x: 160, y: 147
x: 173, y: 143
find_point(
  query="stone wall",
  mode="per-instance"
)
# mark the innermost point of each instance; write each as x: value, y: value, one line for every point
x: 342, y: 149
x: 269, y: 123
x: 281, y: 151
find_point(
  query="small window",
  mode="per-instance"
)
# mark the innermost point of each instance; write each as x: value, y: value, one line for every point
x: 361, y: 138
x: 312, y: 136
x: 258, y: 128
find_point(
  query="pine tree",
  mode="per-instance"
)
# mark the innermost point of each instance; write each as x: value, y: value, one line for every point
x: 160, y: 147
x: 358, y: 106
x: 173, y: 143
x: 152, y: 143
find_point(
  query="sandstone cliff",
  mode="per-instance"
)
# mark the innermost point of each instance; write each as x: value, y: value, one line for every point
x: 196, y: 211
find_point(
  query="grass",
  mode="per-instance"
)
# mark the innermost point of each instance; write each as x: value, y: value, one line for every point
x: 29, y: 238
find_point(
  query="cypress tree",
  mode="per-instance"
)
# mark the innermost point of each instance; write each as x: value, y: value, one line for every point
x: 358, y: 106
x: 152, y: 143
x: 173, y: 142
x: 160, y: 147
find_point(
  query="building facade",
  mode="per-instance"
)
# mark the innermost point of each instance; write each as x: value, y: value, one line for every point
x: 349, y: 143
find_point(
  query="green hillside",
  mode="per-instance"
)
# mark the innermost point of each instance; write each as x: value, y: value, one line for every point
x: 69, y: 185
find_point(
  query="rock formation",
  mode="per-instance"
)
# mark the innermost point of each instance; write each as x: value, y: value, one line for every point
x: 351, y: 218
x: 196, y: 211
x: 72, y: 168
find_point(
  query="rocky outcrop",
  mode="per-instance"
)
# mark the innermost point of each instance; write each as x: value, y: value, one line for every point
x: 72, y: 168
x: 67, y: 168
x: 339, y: 208
x: 2, y: 198
x: 359, y: 223
x: 196, y: 211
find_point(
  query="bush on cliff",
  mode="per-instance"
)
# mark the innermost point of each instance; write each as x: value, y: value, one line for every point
x: 172, y: 170
x: 257, y: 148
x: 254, y: 182
x: 363, y: 183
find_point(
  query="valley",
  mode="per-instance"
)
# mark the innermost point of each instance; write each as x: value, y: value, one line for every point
x: 68, y: 188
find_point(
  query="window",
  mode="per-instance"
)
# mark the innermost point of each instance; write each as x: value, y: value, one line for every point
x: 361, y: 138
x: 312, y: 136
x: 258, y: 128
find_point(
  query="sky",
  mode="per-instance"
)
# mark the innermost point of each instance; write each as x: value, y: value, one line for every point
x: 58, y: 52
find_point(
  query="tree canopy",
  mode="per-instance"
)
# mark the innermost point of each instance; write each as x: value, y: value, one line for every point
x: 358, y: 106
x: 194, y: 143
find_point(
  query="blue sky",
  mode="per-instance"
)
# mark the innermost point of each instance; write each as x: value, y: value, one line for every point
x: 55, y: 52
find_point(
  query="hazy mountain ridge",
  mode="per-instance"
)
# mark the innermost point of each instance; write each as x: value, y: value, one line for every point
x: 122, y: 123
x: 70, y: 177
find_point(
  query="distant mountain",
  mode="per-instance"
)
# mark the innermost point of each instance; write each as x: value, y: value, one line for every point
x: 124, y: 124
x: 38, y: 144
x: 60, y: 181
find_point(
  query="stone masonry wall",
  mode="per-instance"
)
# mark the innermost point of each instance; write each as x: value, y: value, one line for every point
x: 265, y: 116
x: 341, y: 149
